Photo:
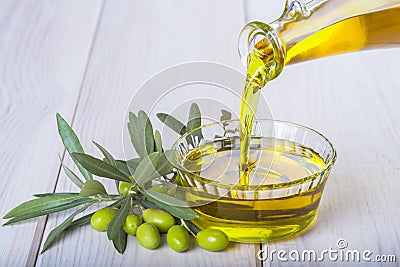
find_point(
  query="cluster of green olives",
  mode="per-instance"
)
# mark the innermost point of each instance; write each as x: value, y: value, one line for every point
x: 155, y: 221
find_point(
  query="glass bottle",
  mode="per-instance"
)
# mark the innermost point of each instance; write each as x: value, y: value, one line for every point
x: 310, y: 29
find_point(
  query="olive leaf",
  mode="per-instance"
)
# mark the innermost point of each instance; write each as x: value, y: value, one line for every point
x: 47, y: 211
x: 55, y: 194
x: 100, y: 168
x: 122, y: 166
x: 116, y: 223
x: 39, y: 204
x: 194, y: 122
x: 172, y: 123
x: 132, y: 164
x: 81, y: 221
x: 71, y: 175
x: 175, y: 207
x: 141, y: 133
x: 71, y: 143
x: 120, y: 241
x: 158, y: 141
x: 146, y: 204
x: 128, y: 167
x: 154, y: 165
x: 92, y: 188
x: 147, y: 169
x: 166, y: 161
x: 108, y: 158
x: 59, y: 229
x: 226, y: 115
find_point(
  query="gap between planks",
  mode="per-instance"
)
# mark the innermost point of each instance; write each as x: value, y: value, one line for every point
x: 42, y: 222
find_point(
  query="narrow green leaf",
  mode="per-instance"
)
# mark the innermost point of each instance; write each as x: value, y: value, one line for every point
x: 133, y: 132
x: 165, y: 162
x: 170, y: 204
x: 144, y: 122
x: 81, y: 221
x: 132, y: 116
x: 108, y: 158
x: 146, y: 204
x: 226, y: 115
x: 172, y: 123
x: 128, y: 167
x: 152, y: 166
x: 158, y: 141
x: 100, y: 168
x: 194, y: 121
x: 133, y: 164
x: 116, y: 223
x: 120, y: 241
x: 42, y: 203
x: 56, y: 194
x: 71, y: 143
x: 92, y: 188
x: 59, y: 229
x: 123, y: 167
x: 141, y: 133
x: 72, y: 176
x: 48, y: 211
x: 146, y: 170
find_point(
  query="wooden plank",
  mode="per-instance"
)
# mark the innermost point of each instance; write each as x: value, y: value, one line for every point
x: 135, y: 40
x: 353, y: 100
x: 43, y: 51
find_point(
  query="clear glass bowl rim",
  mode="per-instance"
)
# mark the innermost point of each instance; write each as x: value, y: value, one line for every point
x: 298, y: 181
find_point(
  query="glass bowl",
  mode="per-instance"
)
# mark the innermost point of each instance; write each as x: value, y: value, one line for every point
x: 290, y: 166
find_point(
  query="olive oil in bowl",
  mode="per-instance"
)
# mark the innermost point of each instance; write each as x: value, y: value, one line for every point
x: 289, y: 167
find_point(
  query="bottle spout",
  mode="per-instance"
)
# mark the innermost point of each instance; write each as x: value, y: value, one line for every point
x: 261, y: 41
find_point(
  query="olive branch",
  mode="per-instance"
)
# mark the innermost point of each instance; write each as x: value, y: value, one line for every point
x: 154, y: 162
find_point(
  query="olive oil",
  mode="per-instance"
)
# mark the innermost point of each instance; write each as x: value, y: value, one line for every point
x: 260, y: 67
x: 272, y: 190
x: 367, y: 31
x: 255, y: 213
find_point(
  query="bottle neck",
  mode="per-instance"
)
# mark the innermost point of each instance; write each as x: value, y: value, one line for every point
x: 260, y: 42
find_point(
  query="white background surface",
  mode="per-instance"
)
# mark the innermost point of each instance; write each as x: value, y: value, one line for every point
x: 85, y: 59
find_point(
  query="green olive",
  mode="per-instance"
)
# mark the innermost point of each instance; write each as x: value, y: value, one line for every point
x: 131, y: 224
x: 148, y: 236
x: 159, y: 188
x: 178, y: 238
x: 212, y: 239
x: 124, y: 188
x: 102, y: 218
x: 161, y: 219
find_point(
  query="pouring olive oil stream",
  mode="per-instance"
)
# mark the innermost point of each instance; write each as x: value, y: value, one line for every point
x: 308, y: 31
x: 259, y: 187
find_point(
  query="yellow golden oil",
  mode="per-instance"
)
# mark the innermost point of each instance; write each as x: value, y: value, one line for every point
x: 366, y: 31
x: 259, y: 211
x: 255, y: 207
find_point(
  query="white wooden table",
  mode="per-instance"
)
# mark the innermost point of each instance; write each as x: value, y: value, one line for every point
x: 85, y: 59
